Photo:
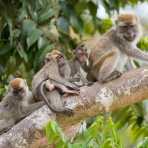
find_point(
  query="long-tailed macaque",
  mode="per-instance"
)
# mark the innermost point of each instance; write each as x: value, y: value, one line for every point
x: 109, y: 53
x: 19, y: 89
x: 79, y: 66
x: 17, y: 103
x: 57, y: 71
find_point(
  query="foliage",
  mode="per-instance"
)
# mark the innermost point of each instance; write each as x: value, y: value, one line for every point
x: 98, y: 134
x: 29, y: 29
x: 103, y: 133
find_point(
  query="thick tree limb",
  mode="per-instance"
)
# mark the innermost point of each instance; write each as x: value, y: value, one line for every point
x: 132, y: 87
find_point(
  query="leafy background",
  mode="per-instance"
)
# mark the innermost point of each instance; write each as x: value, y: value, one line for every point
x: 29, y: 29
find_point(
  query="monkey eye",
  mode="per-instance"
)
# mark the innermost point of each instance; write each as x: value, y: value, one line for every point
x: 59, y: 57
x: 124, y: 27
x: 18, y: 90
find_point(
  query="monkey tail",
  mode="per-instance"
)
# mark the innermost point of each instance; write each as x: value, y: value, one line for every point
x: 45, y: 99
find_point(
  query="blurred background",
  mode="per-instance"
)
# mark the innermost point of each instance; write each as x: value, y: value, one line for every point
x: 29, y: 29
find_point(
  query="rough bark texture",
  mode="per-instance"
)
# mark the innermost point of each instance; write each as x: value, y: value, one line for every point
x: 132, y: 87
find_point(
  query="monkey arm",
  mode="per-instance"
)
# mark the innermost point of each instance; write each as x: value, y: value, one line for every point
x: 26, y: 110
x: 137, y: 53
x: 108, y: 67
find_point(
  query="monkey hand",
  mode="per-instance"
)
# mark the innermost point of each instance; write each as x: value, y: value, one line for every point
x: 68, y: 112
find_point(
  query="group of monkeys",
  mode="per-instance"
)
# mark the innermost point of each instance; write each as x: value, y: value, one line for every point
x: 100, y: 59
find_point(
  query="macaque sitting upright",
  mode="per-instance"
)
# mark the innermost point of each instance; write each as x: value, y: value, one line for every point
x: 16, y: 104
x: 110, y: 53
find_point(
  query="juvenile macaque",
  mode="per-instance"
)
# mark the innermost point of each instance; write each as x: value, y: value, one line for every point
x: 18, y: 88
x: 16, y: 104
x: 54, y: 76
x: 110, y: 53
x: 79, y: 66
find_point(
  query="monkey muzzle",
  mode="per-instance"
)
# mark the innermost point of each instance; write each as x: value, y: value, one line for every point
x: 17, y: 92
x: 130, y: 36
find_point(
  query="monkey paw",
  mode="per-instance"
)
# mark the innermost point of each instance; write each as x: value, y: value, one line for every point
x: 68, y: 112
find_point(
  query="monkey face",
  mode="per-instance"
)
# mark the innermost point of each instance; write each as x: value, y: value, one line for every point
x: 81, y: 55
x: 18, y: 91
x: 128, y: 27
x: 18, y: 87
x: 128, y: 32
x: 56, y: 56
x: 60, y: 60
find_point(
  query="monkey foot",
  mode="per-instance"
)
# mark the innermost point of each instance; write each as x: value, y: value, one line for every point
x: 68, y: 112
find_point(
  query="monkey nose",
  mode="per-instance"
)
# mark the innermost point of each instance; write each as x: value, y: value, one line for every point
x: 15, y: 92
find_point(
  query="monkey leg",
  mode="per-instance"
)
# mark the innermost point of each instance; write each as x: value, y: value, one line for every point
x: 26, y: 110
x: 65, y: 89
x: 114, y: 75
x: 108, y: 70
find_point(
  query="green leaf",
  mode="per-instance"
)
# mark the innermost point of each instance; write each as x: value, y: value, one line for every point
x: 55, y: 135
x: 92, y: 8
x: 36, y: 33
x: 63, y: 25
x: 80, y: 6
x: 76, y: 23
x: 89, y: 28
x: 4, y: 49
x: 143, y: 143
x: 22, y: 53
x: 40, y: 54
x: 28, y: 27
x: 10, y: 31
x: 42, y: 42
x: 46, y: 15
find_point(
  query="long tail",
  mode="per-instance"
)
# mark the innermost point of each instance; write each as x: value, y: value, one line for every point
x: 42, y: 85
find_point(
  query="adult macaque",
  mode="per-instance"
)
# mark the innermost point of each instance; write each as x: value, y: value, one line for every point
x: 109, y: 54
x: 16, y: 104
x: 57, y: 71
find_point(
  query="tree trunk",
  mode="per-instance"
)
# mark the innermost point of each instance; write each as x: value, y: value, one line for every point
x: 132, y: 87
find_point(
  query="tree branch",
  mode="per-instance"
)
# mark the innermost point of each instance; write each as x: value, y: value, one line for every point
x: 132, y: 87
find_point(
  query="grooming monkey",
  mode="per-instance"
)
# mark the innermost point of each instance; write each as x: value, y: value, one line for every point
x: 16, y: 104
x: 54, y: 77
x: 110, y: 53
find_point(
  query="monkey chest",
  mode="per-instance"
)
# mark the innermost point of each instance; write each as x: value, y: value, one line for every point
x: 121, y: 61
